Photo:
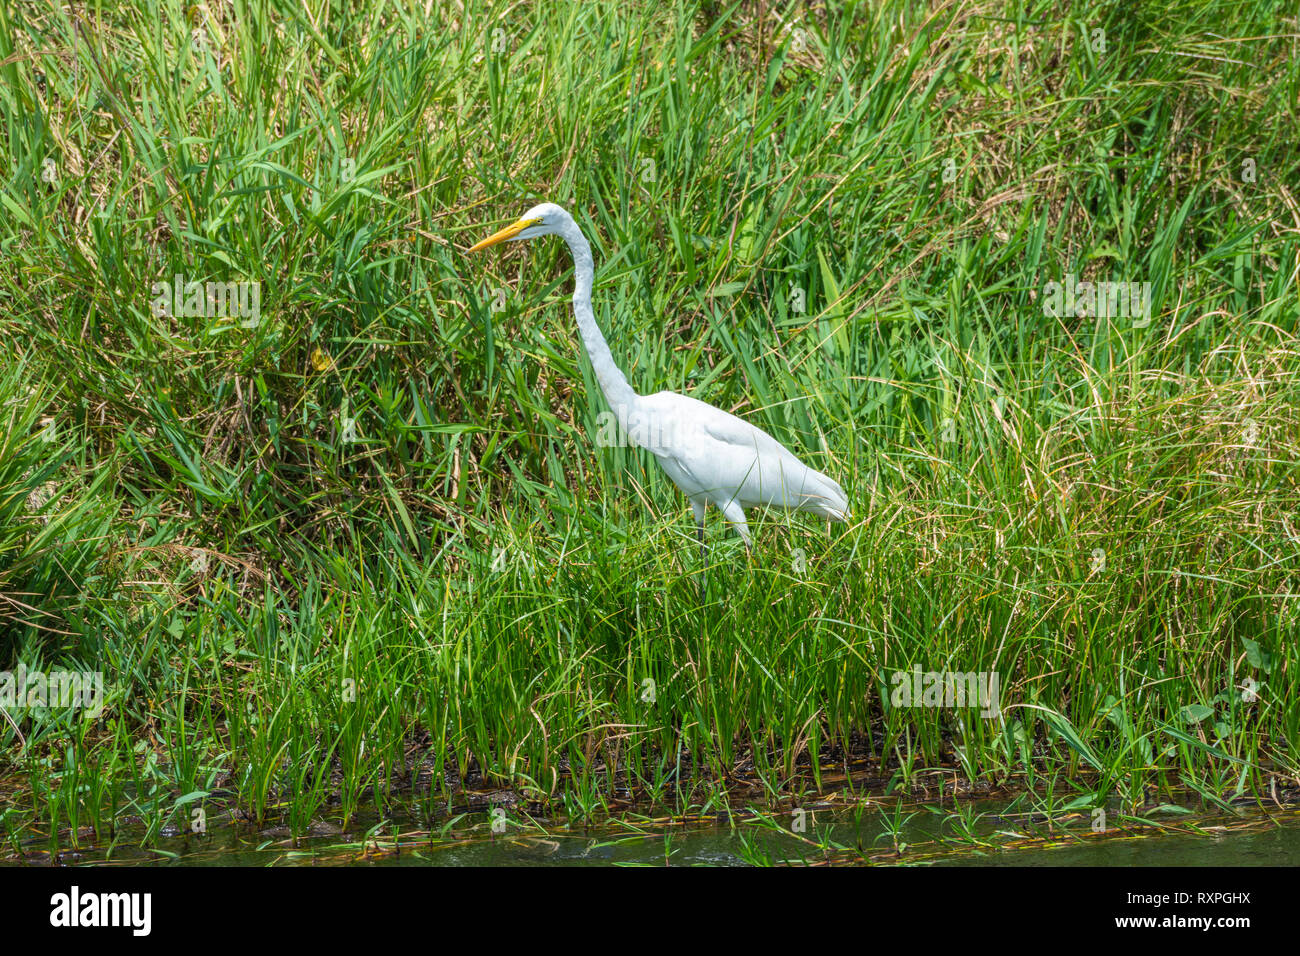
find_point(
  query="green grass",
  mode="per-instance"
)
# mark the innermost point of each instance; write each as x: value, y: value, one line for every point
x: 842, y: 231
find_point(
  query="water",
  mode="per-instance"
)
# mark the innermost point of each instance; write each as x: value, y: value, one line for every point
x: 984, y: 833
x: 1273, y: 847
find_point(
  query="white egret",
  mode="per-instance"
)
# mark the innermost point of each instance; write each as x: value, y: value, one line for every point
x: 712, y: 456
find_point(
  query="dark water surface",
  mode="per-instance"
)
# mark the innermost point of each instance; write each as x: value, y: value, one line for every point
x: 987, y: 833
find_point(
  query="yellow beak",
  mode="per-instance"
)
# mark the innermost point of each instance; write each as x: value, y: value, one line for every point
x: 503, y: 235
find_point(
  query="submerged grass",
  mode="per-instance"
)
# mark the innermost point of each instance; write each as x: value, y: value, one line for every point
x: 365, y: 540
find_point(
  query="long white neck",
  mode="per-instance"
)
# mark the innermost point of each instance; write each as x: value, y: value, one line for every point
x: 613, y: 383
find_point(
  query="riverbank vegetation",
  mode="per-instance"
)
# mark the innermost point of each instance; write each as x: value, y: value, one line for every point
x: 355, y: 538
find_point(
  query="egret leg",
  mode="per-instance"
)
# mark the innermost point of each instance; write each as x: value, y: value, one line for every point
x: 735, y: 515
x: 700, y: 508
x: 704, y: 568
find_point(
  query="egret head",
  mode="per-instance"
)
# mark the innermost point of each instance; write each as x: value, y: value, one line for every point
x: 542, y: 220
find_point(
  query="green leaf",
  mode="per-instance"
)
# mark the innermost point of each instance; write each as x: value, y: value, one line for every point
x: 1257, y: 656
x: 1065, y: 730
x: 1200, y: 745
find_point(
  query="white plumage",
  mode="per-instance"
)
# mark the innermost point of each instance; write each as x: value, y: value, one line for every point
x: 712, y: 456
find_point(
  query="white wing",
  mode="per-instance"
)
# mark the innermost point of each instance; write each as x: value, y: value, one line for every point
x: 711, y: 454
